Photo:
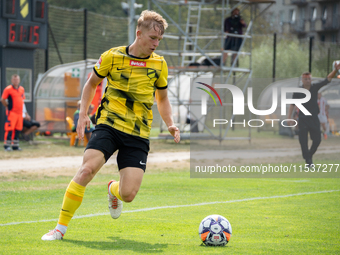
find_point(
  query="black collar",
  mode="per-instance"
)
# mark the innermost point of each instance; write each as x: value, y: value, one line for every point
x: 127, y: 52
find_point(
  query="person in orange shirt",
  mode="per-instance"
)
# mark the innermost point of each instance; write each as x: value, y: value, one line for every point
x: 13, y: 99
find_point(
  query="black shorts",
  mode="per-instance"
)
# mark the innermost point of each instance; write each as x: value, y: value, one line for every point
x: 132, y: 150
x: 232, y: 43
x: 29, y: 124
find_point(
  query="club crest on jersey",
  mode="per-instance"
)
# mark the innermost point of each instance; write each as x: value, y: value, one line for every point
x: 152, y: 73
x: 137, y: 63
x: 99, y: 62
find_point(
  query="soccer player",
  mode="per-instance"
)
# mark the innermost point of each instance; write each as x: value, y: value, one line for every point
x: 13, y: 99
x: 310, y: 123
x: 134, y: 75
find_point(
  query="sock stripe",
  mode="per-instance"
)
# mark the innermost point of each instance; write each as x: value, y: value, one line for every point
x: 73, y: 197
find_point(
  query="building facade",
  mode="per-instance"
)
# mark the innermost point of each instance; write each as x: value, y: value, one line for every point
x: 306, y: 18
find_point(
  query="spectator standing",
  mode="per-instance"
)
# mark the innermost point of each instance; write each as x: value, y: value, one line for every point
x: 310, y: 124
x: 13, y: 99
x: 233, y: 25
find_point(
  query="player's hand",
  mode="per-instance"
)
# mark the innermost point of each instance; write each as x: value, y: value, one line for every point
x: 83, y: 121
x: 291, y: 123
x: 337, y: 66
x: 174, y: 131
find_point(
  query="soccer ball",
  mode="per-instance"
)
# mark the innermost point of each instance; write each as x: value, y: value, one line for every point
x: 215, y: 230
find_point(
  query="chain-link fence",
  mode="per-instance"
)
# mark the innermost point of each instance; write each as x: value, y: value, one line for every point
x: 68, y: 42
x: 76, y: 34
x: 68, y: 36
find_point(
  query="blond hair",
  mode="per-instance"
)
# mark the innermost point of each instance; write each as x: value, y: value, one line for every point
x: 151, y: 19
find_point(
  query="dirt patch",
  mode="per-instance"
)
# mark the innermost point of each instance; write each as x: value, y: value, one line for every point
x: 37, y: 163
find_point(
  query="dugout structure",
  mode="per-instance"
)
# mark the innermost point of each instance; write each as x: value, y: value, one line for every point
x: 57, y: 92
x: 189, y: 40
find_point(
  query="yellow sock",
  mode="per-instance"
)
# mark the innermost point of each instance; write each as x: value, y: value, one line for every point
x: 73, y: 197
x: 114, y: 188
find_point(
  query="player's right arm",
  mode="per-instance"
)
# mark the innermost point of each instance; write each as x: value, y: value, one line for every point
x: 88, y: 93
x: 100, y: 71
x: 4, y: 102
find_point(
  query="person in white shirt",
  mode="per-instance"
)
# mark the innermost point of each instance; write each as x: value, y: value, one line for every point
x: 322, y: 102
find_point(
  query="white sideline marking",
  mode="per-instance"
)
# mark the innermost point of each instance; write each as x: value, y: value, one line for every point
x: 178, y: 206
x: 285, y: 180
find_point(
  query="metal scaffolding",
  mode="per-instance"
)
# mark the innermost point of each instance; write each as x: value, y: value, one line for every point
x: 194, y: 44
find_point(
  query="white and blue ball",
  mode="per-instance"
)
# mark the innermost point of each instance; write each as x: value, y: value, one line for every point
x: 215, y: 230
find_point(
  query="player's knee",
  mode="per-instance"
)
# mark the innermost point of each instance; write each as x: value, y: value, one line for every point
x: 86, y: 172
x: 128, y: 196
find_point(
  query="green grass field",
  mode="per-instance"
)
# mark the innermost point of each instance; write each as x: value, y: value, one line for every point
x: 263, y: 218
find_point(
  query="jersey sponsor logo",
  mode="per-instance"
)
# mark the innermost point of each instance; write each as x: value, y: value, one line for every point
x: 99, y: 62
x: 137, y: 63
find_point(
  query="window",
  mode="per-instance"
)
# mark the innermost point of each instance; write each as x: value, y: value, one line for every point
x: 313, y: 13
x: 25, y: 80
x: 281, y: 18
x: 335, y: 17
x: 302, y: 13
x: 272, y: 19
x: 334, y: 38
x: 292, y: 16
x: 324, y: 13
x: 322, y: 38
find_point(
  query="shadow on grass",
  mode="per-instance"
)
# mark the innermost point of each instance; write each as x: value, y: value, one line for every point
x: 121, y: 244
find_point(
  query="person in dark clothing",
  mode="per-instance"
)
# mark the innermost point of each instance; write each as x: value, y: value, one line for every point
x: 233, y: 25
x: 310, y: 123
x: 29, y: 125
x: 88, y: 132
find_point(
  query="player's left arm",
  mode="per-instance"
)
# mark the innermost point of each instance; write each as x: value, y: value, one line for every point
x: 164, y: 108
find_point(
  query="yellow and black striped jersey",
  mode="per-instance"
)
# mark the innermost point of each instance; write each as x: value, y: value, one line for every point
x: 129, y: 93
